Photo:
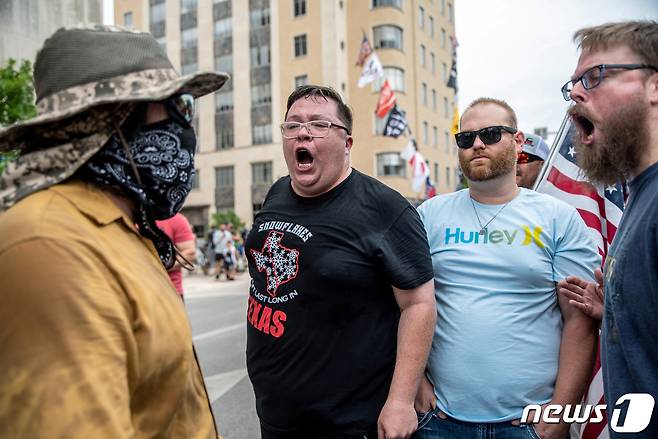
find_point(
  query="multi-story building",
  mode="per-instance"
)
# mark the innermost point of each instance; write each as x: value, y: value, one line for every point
x: 269, y: 47
x: 25, y: 24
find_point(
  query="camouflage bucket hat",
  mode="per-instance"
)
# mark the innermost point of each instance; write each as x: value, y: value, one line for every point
x: 87, y: 79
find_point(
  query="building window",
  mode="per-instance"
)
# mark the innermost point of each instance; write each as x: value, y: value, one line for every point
x: 187, y: 69
x: 431, y: 27
x: 421, y: 17
x: 187, y: 6
x: 261, y: 134
x: 433, y: 58
x: 444, y: 73
x: 445, y: 107
x: 451, y: 13
x: 223, y: 27
x: 426, y: 133
x: 261, y: 94
x: 434, y: 104
x: 446, y: 138
x: 301, y: 80
x: 189, y: 38
x: 436, y: 173
x: 157, y: 20
x: 443, y: 7
x: 388, y: 37
x: 300, y: 46
x: 422, y: 55
x: 259, y: 17
x: 443, y: 38
x: 379, y: 124
x: 261, y: 173
x: 391, y: 164
x: 128, y: 19
x: 395, y: 76
x: 423, y: 93
x: 260, y: 55
x: 380, y: 3
x: 224, y: 176
x: 224, y: 101
x: 224, y: 137
x: 299, y: 7
x: 448, y: 176
x: 196, y: 181
x: 224, y: 63
x: 435, y: 137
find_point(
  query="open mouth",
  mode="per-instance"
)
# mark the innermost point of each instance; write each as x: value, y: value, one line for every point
x: 584, y: 126
x: 304, y: 158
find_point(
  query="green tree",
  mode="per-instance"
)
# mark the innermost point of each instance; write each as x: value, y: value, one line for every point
x: 229, y: 217
x: 16, y: 99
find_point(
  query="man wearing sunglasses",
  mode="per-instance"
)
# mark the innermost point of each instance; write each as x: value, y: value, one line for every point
x: 95, y: 341
x: 615, y: 94
x: 503, y: 340
x: 530, y: 160
x: 341, y: 310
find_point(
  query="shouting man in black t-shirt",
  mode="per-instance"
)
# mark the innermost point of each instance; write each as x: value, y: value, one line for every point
x: 341, y: 307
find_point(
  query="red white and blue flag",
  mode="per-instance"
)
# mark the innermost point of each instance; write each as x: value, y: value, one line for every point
x: 601, y: 208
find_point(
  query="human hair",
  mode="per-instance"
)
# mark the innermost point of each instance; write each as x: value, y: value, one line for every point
x: 640, y: 36
x: 321, y: 92
x: 504, y: 105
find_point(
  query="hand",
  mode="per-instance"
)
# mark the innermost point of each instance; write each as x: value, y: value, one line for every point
x: 425, y: 398
x: 397, y: 420
x: 547, y: 431
x: 586, y: 296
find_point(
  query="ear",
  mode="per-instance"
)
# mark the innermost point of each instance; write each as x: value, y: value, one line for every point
x: 652, y: 89
x: 519, y: 138
x: 348, y: 143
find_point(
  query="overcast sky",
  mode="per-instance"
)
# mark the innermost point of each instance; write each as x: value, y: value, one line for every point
x: 522, y: 50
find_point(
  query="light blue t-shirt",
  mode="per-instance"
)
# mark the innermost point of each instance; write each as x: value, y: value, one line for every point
x: 497, y: 339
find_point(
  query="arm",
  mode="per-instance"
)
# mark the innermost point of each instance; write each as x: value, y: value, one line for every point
x: 577, y: 354
x: 417, y: 319
x: 584, y: 295
x: 66, y: 343
x: 188, y: 250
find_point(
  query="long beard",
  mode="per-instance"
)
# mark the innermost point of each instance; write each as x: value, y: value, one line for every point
x: 621, y: 142
x: 501, y: 163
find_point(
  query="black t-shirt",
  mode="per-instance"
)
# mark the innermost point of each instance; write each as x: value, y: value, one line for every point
x: 321, y: 337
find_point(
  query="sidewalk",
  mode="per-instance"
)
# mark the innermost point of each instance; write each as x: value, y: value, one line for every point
x: 197, y: 285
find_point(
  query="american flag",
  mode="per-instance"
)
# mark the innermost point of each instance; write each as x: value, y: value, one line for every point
x: 601, y: 209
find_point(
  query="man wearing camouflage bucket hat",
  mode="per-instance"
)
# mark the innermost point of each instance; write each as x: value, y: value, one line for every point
x: 94, y: 339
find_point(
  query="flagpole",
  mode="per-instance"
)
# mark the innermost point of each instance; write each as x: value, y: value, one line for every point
x: 561, y: 133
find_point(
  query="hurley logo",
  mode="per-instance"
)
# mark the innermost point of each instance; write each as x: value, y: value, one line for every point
x: 502, y: 236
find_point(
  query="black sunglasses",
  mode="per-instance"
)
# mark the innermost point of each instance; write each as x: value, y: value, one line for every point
x: 181, y: 107
x: 488, y: 135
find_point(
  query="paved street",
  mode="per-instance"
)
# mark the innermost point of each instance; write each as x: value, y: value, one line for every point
x: 217, y: 311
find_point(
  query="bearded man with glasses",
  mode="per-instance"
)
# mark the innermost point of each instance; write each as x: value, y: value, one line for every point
x: 615, y: 94
x: 503, y: 340
x: 341, y: 310
x: 95, y: 341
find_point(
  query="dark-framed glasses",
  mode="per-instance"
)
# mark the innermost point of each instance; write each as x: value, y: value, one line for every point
x: 488, y: 135
x: 315, y: 128
x: 594, y: 75
x: 181, y: 107
x: 523, y: 158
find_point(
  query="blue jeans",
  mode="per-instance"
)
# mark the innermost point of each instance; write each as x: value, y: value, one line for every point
x: 431, y: 426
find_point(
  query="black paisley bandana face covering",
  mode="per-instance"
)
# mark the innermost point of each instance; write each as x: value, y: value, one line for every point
x: 163, y: 153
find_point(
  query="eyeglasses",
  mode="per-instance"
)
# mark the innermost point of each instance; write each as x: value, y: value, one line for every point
x: 524, y: 157
x: 315, y: 128
x: 181, y: 107
x: 488, y: 135
x: 594, y: 75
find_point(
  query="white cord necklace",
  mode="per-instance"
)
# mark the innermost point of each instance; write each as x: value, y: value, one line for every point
x: 483, y: 228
